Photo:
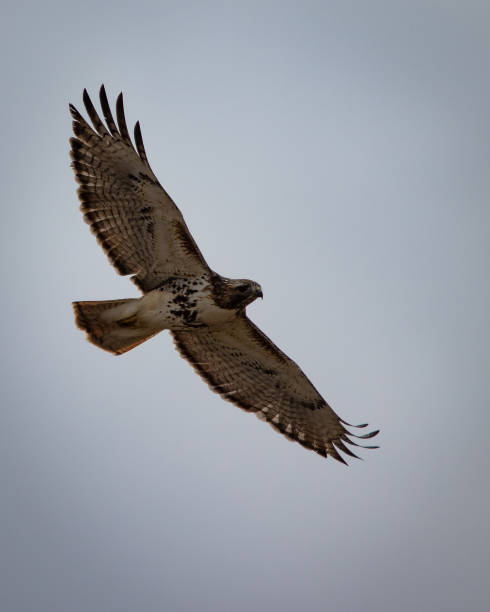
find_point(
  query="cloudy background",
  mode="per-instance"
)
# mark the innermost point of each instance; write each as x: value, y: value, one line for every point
x: 336, y: 152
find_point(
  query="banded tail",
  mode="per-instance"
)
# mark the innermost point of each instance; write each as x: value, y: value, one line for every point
x: 112, y: 324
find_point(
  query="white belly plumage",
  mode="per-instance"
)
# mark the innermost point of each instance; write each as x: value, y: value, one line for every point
x: 181, y: 303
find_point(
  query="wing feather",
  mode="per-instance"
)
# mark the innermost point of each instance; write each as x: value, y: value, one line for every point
x: 92, y: 113
x: 245, y: 367
x: 121, y: 121
x: 106, y: 109
x: 140, y: 147
x: 136, y: 222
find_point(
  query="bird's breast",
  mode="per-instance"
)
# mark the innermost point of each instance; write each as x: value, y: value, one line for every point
x: 182, y: 304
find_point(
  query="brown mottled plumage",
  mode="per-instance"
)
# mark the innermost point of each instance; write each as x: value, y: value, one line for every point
x: 144, y: 234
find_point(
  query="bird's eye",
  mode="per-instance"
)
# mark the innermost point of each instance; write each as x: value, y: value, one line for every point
x: 242, y: 288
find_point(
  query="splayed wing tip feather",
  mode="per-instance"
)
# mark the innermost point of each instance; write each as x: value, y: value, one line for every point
x: 352, y: 425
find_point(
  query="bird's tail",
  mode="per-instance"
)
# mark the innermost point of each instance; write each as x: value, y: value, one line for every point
x: 112, y: 324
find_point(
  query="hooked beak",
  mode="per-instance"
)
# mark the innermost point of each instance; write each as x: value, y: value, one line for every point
x: 260, y: 294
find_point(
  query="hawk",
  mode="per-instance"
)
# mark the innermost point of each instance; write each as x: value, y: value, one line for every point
x: 144, y: 234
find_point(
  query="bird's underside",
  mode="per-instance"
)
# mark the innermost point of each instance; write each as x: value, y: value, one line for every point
x: 144, y: 235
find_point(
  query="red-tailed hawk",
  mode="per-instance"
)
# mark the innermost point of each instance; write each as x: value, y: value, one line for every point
x: 144, y: 234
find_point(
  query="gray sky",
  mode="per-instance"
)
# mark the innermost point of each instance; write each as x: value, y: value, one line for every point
x: 337, y: 153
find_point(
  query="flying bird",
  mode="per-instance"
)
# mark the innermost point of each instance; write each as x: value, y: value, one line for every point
x: 144, y: 234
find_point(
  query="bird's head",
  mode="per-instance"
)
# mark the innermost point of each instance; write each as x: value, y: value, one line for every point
x: 249, y: 290
x: 237, y: 293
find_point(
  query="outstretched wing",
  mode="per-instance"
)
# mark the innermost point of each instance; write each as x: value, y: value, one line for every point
x: 138, y: 225
x: 240, y: 363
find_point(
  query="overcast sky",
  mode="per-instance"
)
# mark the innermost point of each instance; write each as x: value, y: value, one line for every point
x: 337, y: 153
